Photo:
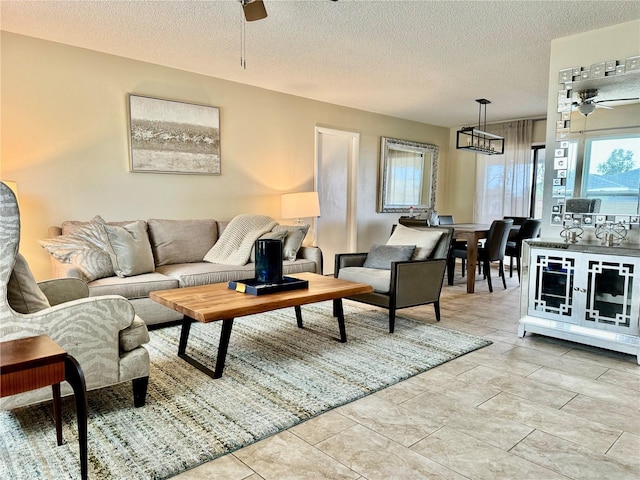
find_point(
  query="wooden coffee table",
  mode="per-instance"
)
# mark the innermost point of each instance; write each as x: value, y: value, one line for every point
x: 210, y: 303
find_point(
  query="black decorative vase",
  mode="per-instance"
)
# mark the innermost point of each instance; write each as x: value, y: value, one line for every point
x: 268, y: 260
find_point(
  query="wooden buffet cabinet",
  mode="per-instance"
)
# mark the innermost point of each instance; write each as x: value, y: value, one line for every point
x: 583, y: 292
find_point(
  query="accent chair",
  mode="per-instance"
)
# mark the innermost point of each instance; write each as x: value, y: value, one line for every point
x: 102, y: 333
x: 400, y: 283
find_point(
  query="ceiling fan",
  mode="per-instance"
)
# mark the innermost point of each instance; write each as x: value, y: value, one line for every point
x: 587, y: 101
x: 253, y: 10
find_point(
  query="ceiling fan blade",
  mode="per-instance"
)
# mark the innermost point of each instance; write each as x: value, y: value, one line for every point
x: 602, y: 106
x: 617, y: 100
x: 254, y: 10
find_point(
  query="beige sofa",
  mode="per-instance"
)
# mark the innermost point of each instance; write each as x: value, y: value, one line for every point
x: 178, y: 248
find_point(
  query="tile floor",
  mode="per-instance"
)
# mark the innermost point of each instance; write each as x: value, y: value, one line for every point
x: 531, y: 408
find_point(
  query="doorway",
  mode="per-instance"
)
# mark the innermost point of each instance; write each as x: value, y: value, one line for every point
x: 336, y: 160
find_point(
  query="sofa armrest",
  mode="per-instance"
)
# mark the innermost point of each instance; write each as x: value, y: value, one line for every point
x: 348, y: 260
x: 312, y: 253
x: 62, y: 290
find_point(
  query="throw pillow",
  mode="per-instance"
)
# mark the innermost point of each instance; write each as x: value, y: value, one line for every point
x: 424, y: 240
x: 85, y: 248
x: 70, y: 226
x: 23, y: 293
x: 270, y: 236
x: 181, y: 241
x: 293, y: 240
x: 129, y: 249
x: 381, y: 256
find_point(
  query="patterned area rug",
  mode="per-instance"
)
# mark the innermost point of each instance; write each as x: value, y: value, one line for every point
x: 276, y: 376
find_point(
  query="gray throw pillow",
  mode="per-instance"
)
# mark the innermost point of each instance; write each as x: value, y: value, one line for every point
x: 269, y: 236
x: 23, y: 293
x: 85, y: 248
x: 381, y: 256
x: 293, y: 240
x: 129, y: 249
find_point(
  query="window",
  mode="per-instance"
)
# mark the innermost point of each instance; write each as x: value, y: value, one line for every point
x: 611, y: 172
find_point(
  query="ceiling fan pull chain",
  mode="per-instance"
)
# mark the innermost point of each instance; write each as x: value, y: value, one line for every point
x: 243, y: 61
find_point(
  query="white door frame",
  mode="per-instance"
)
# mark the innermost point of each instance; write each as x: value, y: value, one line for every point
x: 352, y: 178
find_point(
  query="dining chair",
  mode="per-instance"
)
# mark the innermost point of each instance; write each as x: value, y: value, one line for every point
x: 529, y: 229
x: 492, y: 251
x: 446, y: 220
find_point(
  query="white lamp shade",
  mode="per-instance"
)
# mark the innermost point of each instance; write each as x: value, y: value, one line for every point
x: 300, y: 205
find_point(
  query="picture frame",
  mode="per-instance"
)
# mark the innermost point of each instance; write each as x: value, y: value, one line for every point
x: 169, y: 136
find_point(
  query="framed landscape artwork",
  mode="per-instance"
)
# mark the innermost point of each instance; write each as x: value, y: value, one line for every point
x: 167, y: 136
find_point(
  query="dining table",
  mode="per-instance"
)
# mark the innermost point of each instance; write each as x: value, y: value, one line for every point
x: 470, y: 233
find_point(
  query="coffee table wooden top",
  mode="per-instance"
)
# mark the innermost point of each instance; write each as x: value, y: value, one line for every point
x: 209, y: 303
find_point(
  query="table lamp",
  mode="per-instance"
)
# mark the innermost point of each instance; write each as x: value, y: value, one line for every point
x: 301, y: 205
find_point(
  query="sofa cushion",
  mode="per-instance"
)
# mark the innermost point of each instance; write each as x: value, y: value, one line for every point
x: 129, y: 249
x: 205, y: 273
x: 293, y: 241
x: 23, y: 293
x: 132, y: 288
x: 378, y: 278
x: 181, y: 241
x: 134, y: 335
x: 381, y: 256
x: 424, y: 240
x: 85, y: 248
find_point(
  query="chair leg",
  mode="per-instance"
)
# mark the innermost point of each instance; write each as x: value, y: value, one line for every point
x: 436, y: 307
x: 451, y: 265
x: 392, y: 319
x: 487, y: 274
x: 140, y: 391
x: 504, y: 281
x: 518, y: 267
x: 510, y: 267
x: 464, y: 268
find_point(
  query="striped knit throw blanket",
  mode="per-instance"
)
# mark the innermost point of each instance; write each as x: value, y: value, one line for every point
x: 237, y: 239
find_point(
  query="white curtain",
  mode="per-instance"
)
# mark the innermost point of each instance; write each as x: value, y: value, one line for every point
x: 503, y: 182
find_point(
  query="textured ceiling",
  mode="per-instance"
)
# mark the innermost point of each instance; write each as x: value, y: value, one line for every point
x: 420, y: 60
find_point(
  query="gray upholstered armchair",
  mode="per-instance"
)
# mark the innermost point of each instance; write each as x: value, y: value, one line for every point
x: 405, y: 283
x: 102, y: 333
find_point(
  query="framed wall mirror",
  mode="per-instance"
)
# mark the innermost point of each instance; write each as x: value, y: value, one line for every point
x: 597, y: 155
x: 408, y: 173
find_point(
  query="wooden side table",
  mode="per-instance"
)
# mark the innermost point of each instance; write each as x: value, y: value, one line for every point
x: 36, y: 362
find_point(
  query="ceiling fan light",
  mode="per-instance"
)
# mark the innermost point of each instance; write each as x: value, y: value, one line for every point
x: 254, y: 10
x: 586, y: 108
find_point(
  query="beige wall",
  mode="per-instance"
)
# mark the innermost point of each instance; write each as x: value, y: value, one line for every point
x: 64, y: 140
x: 612, y: 43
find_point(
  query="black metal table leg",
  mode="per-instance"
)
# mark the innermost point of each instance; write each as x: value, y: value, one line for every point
x: 225, y: 335
x: 339, y: 312
x: 75, y: 378
x: 184, y: 334
x: 299, y: 316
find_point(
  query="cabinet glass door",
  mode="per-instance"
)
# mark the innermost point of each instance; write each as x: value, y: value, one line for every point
x: 551, y: 288
x: 610, y: 289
